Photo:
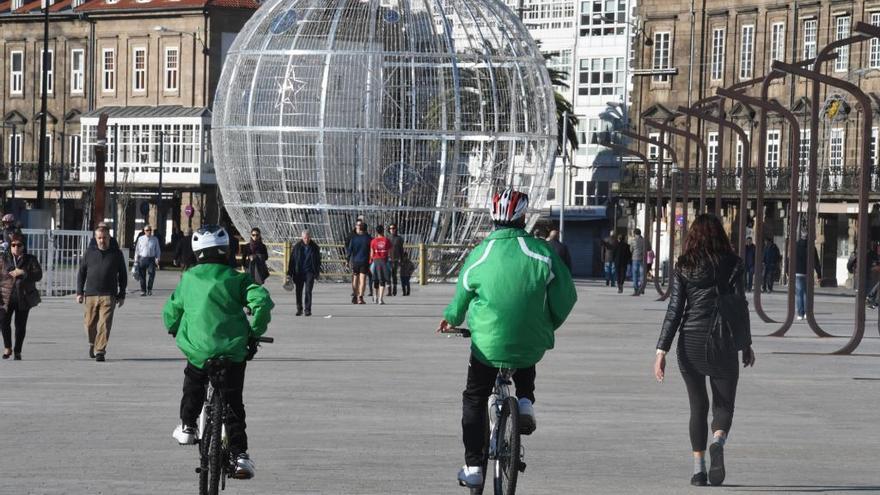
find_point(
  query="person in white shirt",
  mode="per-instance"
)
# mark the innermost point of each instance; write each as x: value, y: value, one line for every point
x: 146, y: 259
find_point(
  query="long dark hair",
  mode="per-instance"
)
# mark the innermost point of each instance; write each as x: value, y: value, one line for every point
x: 706, y: 240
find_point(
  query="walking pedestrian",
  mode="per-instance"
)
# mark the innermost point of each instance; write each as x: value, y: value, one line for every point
x: 772, y: 257
x: 146, y: 258
x: 379, y: 250
x: 100, y: 284
x: 649, y: 262
x: 358, y: 250
x: 622, y: 259
x: 406, y: 270
x: 113, y: 243
x: 749, y: 259
x: 21, y: 272
x: 707, y: 268
x: 559, y: 248
x: 609, y: 258
x: 254, y: 257
x: 637, y: 245
x: 395, y: 256
x: 183, y: 253
x: 800, y: 274
x: 10, y: 228
x: 303, y: 268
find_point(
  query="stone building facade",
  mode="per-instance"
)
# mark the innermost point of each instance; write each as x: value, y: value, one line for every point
x: 721, y: 43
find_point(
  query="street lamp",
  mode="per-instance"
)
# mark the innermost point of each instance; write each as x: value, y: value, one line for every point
x: 195, y: 36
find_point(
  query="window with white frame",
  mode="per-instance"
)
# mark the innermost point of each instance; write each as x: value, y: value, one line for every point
x: 712, y: 149
x: 16, y: 4
x: 874, y: 54
x: 746, y: 51
x: 661, y: 55
x: 603, y: 17
x: 50, y: 72
x: 49, y: 140
x: 777, y: 42
x: 109, y: 70
x: 139, y: 69
x: 16, y: 73
x: 601, y: 76
x: 15, y: 147
x: 653, y: 149
x: 811, y: 36
x: 548, y: 14
x: 594, y: 128
x: 172, y: 68
x: 717, y: 72
x: 559, y: 61
x: 774, y: 140
x: 835, y: 149
x: 873, y: 151
x: 804, y: 155
x: 73, y: 149
x: 139, y: 145
x: 77, y: 71
x: 740, y: 151
x: 841, y: 31
x: 580, y: 193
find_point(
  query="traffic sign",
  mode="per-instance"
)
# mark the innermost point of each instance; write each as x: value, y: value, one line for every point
x: 189, y: 211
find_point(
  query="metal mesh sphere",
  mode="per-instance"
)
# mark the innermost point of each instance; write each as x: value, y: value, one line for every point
x: 406, y: 111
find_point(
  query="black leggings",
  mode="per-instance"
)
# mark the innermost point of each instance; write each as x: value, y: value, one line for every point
x: 723, y: 398
x: 195, y: 383
x: 20, y: 316
x: 480, y: 381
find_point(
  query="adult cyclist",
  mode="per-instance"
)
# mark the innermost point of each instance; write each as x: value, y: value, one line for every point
x: 516, y: 292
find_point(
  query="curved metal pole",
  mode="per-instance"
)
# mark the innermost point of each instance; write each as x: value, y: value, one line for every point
x: 766, y: 106
x: 864, y: 155
x: 701, y: 148
x: 702, y: 114
x: 662, y: 146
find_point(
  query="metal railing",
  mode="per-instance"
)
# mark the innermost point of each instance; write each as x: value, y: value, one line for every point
x: 60, y: 254
x: 26, y: 172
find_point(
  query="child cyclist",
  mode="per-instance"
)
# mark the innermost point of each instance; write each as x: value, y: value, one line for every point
x: 516, y: 292
x: 206, y: 315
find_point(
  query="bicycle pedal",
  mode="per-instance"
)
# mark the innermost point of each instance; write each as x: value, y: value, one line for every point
x: 522, y: 467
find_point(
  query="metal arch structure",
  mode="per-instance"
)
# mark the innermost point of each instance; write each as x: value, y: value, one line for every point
x: 662, y: 146
x: 406, y: 111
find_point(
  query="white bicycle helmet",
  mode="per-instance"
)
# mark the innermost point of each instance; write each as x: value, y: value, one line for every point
x: 509, y: 206
x: 210, y: 240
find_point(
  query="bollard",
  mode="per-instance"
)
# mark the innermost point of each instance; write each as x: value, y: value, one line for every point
x: 423, y: 264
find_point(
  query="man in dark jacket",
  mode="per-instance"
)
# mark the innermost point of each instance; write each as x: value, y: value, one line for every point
x: 772, y: 257
x: 559, y: 248
x: 749, y: 259
x: 303, y: 267
x: 622, y: 259
x: 395, y: 255
x: 609, y: 259
x: 183, y: 253
x: 358, y: 250
x: 101, y: 284
x: 801, y: 274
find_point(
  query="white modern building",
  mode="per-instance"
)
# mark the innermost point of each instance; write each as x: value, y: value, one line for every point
x: 589, y: 40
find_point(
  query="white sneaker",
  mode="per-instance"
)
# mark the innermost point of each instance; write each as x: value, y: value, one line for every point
x: 470, y: 476
x: 244, y: 467
x: 185, y: 435
x: 527, y: 423
x: 801, y: 317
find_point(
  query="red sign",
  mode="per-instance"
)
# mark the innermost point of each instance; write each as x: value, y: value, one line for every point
x: 189, y: 211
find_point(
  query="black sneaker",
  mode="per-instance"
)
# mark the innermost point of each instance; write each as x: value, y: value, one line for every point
x: 99, y: 357
x: 699, y: 479
x: 149, y: 293
x: 299, y: 312
x: 716, y: 464
x: 308, y: 313
x: 91, y: 351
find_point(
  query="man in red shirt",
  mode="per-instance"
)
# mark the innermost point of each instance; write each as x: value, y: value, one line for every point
x: 379, y: 248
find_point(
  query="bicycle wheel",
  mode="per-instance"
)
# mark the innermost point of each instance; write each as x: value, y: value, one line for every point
x: 204, y: 444
x: 507, y: 450
x: 215, y: 449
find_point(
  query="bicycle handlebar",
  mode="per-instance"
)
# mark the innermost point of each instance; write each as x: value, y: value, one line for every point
x: 464, y: 332
x: 265, y: 340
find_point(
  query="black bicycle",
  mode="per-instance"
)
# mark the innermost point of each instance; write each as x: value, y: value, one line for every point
x: 503, y: 450
x: 216, y: 463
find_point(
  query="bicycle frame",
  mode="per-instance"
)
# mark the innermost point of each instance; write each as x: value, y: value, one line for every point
x: 500, y: 393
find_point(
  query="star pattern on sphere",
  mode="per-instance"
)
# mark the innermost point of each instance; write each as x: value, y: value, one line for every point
x: 289, y: 88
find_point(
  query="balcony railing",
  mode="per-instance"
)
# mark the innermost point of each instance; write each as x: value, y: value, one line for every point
x: 836, y: 181
x: 26, y: 172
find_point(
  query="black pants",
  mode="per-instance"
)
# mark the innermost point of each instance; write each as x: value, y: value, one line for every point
x: 750, y: 278
x: 475, y: 399
x: 147, y: 271
x: 769, y: 277
x: 404, y: 285
x: 21, y: 316
x: 723, y: 399
x: 304, y: 281
x: 195, y: 383
x: 393, y: 267
x: 621, y: 276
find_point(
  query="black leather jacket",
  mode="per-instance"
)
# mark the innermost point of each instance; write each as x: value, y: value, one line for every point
x: 692, y: 300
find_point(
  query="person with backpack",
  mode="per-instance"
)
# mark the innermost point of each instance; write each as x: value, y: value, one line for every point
x: 708, y: 280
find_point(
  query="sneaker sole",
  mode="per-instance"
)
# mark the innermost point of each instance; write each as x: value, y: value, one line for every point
x: 716, y: 469
x: 242, y: 476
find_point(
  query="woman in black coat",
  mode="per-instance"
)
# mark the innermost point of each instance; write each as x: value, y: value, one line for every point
x: 24, y: 271
x: 622, y: 259
x: 255, y: 256
x: 707, y: 266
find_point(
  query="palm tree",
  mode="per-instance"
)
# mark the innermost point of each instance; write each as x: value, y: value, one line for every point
x: 559, y: 79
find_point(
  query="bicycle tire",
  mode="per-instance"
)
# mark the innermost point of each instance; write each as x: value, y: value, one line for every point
x: 215, y: 449
x: 204, y: 443
x: 507, y: 450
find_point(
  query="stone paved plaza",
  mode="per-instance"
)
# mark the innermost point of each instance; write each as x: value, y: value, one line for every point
x: 366, y: 400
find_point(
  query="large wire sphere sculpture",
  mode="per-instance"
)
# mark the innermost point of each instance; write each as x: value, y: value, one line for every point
x: 406, y: 111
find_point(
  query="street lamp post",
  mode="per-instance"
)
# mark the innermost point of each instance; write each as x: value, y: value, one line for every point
x: 13, y: 154
x: 115, y: 178
x: 159, y: 213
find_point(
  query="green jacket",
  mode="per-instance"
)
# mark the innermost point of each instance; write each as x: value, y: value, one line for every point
x: 205, y: 313
x: 516, y: 292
